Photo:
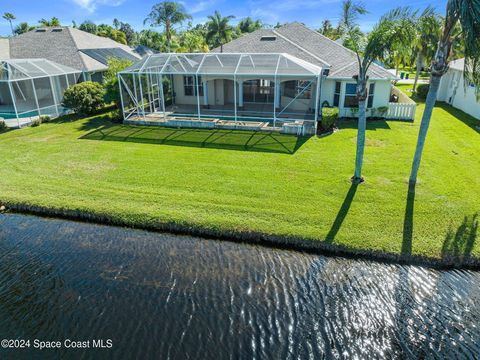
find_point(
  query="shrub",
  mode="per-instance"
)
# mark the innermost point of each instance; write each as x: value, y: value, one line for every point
x: 422, y: 91
x: 84, y: 98
x: 3, y: 125
x: 329, y: 118
x: 116, y: 116
x: 45, y: 119
x: 382, y: 111
x: 36, y: 122
x: 112, y: 90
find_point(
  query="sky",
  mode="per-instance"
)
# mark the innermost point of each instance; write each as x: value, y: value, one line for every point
x: 310, y: 12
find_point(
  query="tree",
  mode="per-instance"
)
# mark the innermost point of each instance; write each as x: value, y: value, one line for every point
x: 466, y: 13
x: 10, y: 17
x: 129, y: 32
x: 156, y: 41
x: 379, y: 41
x: 329, y: 31
x: 249, y: 25
x: 352, y: 42
x: 112, y: 90
x: 23, y: 28
x: 88, y: 26
x: 109, y: 32
x: 428, y: 29
x: 54, y: 21
x: 191, y: 42
x: 401, y: 48
x: 219, y: 30
x: 167, y: 14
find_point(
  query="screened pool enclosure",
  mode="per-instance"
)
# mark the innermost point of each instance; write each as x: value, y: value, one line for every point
x: 33, y: 87
x: 275, y: 92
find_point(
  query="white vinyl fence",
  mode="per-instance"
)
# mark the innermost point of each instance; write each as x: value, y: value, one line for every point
x: 401, y: 111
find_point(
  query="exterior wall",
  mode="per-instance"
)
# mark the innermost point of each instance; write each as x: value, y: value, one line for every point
x: 220, y: 92
x: 215, y: 92
x: 328, y: 89
x: 180, y: 97
x: 381, y: 97
x: 453, y: 91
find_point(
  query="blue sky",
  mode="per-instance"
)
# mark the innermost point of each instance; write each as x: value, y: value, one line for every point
x: 310, y: 12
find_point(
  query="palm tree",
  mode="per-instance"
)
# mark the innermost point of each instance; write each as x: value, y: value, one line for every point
x: 167, y: 14
x: 10, y: 17
x: 467, y: 14
x: 428, y: 30
x: 329, y: 31
x: 49, y: 23
x: 23, y: 28
x: 219, y: 31
x: 379, y: 41
x: 401, y: 47
x: 249, y: 25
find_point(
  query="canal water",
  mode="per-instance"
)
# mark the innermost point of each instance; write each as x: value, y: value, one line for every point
x: 161, y: 296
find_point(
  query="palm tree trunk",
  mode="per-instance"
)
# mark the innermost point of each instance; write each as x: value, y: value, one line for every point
x: 427, y: 115
x: 362, y: 126
x: 167, y: 35
x: 439, y: 68
x: 419, y: 68
x: 11, y: 27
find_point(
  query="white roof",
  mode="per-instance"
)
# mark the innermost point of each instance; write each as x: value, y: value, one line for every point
x: 226, y: 64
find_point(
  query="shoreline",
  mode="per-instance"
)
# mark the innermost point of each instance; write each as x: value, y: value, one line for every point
x: 253, y: 238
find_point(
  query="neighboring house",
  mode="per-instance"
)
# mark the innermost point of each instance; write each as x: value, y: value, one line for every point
x: 39, y: 65
x: 68, y: 46
x: 455, y: 92
x: 271, y: 78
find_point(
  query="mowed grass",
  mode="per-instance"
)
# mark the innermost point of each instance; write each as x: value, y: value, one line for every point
x: 272, y: 184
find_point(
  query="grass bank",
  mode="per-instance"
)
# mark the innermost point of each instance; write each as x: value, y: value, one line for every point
x: 243, y: 183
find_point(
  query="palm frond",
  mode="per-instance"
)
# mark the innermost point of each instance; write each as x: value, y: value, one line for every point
x: 467, y: 14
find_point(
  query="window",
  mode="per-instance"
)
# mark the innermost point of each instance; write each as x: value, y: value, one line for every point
x: 351, y: 100
x: 300, y: 88
x: 190, y: 86
x: 336, y: 95
x: 371, y: 91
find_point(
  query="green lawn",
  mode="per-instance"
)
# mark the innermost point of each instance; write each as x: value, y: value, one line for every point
x: 424, y: 75
x: 273, y: 184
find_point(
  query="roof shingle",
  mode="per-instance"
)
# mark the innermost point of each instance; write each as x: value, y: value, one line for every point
x: 309, y: 45
x: 63, y: 45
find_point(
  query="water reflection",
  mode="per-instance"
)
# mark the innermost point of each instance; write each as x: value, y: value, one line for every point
x: 177, y: 297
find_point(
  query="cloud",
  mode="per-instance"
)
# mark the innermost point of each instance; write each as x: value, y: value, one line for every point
x: 91, y: 5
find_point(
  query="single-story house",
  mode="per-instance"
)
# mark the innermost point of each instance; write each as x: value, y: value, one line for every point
x: 39, y: 65
x: 67, y: 46
x: 273, y: 78
x: 455, y: 92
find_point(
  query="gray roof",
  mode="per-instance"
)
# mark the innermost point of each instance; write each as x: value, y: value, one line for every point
x: 62, y: 45
x: 306, y: 44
